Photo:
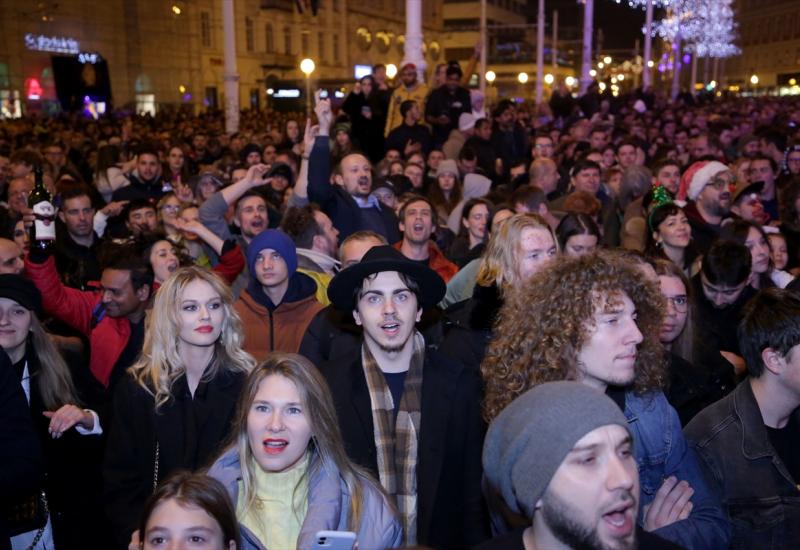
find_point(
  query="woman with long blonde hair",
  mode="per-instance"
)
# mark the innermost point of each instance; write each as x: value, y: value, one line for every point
x: 178, y: 403
x: 286, y: 469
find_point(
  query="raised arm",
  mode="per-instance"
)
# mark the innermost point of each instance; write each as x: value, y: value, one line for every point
x: 212, y: 211
x: 301, y: 186
x: 319, y: 162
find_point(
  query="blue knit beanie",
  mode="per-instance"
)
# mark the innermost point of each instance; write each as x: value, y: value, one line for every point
x: 279, y: 242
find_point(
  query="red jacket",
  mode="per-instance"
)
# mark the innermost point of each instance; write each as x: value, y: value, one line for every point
x: 74, y: 307
x: 230, y: 264
x: 437, y: 261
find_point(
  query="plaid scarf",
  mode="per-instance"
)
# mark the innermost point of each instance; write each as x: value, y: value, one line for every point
x: 397, y: 443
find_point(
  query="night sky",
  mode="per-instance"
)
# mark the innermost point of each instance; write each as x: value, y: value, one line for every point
x: 621, y: 24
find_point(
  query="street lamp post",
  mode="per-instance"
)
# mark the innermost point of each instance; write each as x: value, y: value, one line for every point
x: 230, y: 75
x: 586, y: 63
x: 307, y: 66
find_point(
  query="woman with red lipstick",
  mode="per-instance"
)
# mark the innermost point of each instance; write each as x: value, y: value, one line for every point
x: 287, y: 471
x: 177, y: 405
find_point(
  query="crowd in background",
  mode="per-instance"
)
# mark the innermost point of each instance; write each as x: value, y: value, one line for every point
x: 325, y: 315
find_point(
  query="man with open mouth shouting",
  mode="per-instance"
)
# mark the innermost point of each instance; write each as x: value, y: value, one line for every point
x: 407, y: 413
x: 581, y: 489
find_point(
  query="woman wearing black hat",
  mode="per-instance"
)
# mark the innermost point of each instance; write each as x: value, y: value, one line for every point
x: 54, y: 406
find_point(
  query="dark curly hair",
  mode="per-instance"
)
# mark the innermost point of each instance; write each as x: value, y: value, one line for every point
x: 545, y: 322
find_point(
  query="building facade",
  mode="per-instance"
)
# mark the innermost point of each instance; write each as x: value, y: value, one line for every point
x: 770, y: 39
x: 147, y: 54
x: 511, y: 43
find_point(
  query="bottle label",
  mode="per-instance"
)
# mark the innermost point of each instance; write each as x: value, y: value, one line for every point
x: 45, y: 223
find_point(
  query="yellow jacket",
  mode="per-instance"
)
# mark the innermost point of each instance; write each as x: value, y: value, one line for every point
x: 393, y: 118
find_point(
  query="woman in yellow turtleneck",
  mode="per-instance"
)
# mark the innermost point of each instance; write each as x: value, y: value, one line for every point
x: 287, y: 471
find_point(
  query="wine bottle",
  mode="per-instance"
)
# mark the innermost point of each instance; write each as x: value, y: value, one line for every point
x: 43, y: 230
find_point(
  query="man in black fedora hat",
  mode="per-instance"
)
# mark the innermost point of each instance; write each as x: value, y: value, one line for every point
x: 408, y: 414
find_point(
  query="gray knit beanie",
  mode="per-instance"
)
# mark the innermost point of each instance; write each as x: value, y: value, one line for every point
x: 530, y: 438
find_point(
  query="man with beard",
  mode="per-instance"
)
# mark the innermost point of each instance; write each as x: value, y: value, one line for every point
x: 250, y: 215
x: 146, y: 182
x: 348, y: 202
x: 76, y: 242
x: 707, y: 186
x: 417, y: 225
x: 596, y: 319
x: 408, y: 414
x: 410, y: 89
x: 581, y: 489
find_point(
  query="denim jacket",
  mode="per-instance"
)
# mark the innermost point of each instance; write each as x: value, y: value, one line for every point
x: 661, y: 451
x: 760, y: 495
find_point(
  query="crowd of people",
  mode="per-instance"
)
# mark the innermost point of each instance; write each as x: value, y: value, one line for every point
x: 415, y: 320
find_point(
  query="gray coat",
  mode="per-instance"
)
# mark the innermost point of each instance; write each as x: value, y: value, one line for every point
x: 328, y: 508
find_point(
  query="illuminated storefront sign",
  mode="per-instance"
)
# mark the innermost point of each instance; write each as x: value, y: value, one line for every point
x: 58, y: 44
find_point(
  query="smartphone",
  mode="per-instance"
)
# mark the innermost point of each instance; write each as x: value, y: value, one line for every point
x: 323, y: 94
x: 334, y: 540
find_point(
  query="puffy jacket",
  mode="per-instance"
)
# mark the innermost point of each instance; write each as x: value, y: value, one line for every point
x: 328, y: 507
x: 280, y: 328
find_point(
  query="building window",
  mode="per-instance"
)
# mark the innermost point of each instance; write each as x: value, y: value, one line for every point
x: 304, y: 44
x: 248, y: 34
x: 205, y: 29
x: 335, y: 5
x: 269, y: 38
x: 336, y: 49
x: 321, y: 45
x: 287, y: 40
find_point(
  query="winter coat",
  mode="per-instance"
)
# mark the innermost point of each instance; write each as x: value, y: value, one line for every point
x: 328, y: 508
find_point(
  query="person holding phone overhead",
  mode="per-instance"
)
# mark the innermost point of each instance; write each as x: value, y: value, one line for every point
x: 286, y: 469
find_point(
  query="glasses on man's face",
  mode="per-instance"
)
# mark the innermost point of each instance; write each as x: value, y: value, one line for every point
x: 720, y: 183
x: 679, y: 303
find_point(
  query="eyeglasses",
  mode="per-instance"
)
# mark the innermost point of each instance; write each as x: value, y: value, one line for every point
x: 171, y: 207
x: 679, y: 303
x: 720, y: 183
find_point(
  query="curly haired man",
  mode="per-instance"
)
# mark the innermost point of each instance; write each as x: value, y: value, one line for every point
x: 596, y: 319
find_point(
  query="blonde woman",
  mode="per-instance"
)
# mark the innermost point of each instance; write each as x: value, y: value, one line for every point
x: 287, y: 471
x: 177, y: 405
x: 522, y: 246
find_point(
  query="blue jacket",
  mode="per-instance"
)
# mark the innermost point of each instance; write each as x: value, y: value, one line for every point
x: 661, y: 451
x: 341, y: 208
x: 328, y: 508
x: 758, y: 491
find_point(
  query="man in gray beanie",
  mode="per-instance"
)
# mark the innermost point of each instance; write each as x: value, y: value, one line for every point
x: 571, y: 472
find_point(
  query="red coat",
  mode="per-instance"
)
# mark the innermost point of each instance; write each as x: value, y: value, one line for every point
x: 74, y: 307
